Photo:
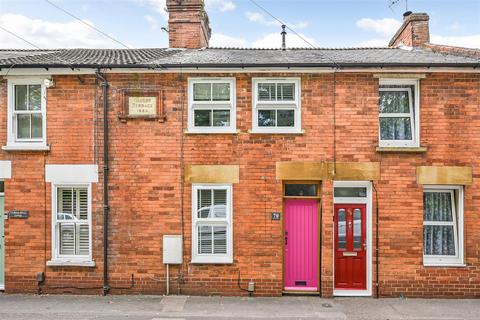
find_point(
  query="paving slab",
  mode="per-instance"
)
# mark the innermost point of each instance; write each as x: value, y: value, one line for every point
x: 71, y: 307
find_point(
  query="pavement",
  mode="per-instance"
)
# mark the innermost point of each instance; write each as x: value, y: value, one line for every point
x: 32, y: 307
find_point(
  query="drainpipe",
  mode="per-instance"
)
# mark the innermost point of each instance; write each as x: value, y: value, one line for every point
x: 106, y: 207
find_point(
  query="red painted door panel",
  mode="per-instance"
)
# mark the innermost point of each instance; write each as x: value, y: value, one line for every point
x: 301, y: 245
x: 350, y: 247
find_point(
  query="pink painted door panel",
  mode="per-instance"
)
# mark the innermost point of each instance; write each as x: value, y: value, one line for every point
x: 301, y: 244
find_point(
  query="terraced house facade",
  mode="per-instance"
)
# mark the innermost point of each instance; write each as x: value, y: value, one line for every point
x: 335, y: 172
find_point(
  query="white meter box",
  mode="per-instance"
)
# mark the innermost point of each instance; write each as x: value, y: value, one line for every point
x: 172, y: 249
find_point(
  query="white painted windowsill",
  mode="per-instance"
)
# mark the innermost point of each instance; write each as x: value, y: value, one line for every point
x: 71, y: 263
x: 209, y: 260
x: 24, y: 147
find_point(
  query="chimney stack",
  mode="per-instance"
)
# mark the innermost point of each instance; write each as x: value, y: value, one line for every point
x: 188, y: 25
x: 414, y: 31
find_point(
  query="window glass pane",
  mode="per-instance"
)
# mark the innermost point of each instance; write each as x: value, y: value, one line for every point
x: 394, y: 102
x: 2, y: 187
x: 266, y: 118
x: 342, y: 229
x: 23, y: 126
x: 437, y: 206
x: 220, y: 240
x: 350, y: 192
x: 205, y: 239
x: 67, y: 238
x: 34, y: 97
x: 82, y: 196
x: 65, y: 204
x: 221, y: 91
x: 204, y: 203
x: 266, y: 91
x: 37, y: 131
x: 83, y: 239
x: 286, y: 91
x: 438, y: 240
x: 202, y: 91
x: 357, y: 229
x: 220, y: 203
x: 21, y: 97
x: 285, y: 118
x: 202, y: 118
x: 302, y: 190
x: 221, y: 118
x: 395, y: 129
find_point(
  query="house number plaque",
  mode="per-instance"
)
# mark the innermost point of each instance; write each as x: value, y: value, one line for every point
x: 275, y: 215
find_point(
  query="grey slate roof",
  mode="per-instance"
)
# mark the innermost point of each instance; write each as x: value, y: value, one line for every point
x: 231, y: 57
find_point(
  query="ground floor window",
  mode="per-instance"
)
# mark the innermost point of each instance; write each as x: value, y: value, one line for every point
x: 212, y: 224
x: 71, y: 220
x: 443, y: 226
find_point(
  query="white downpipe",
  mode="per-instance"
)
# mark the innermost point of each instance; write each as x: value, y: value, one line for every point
x: 168, y: 280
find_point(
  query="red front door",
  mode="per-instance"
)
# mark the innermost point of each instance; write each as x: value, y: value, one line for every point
x: 350, y: 247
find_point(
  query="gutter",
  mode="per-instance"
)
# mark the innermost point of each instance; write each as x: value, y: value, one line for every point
x: 249, y: 65
x: 106, y: 168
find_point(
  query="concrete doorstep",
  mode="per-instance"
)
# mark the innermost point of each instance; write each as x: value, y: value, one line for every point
x: 16, y: 307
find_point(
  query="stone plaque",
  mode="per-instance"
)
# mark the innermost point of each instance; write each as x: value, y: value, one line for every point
x: 142, y: 106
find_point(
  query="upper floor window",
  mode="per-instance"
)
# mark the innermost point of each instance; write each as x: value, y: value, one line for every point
x: 276, y: 105
x: 211, y: 105
x: 26, y: 114
x: 443, y: 226
x: 399, y: 113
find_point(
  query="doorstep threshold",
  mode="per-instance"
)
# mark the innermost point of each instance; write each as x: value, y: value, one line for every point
x: 300, y: 293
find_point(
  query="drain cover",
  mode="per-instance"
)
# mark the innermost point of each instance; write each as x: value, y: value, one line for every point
x: 326, y: 305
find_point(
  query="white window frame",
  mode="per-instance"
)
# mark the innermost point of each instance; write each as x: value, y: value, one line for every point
x: 25, y: 144
x: 457, y: 214
x: 228, y: 222
x: 70, y: 260
x: 277, y: 105
x: 414, y: 113
x: 212, y: 105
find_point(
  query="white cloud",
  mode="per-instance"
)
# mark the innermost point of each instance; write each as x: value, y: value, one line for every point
x: 151, y: 21
x: 160, y: 6
x: 471, y: 41
x: 222, y: 5
x: 384, y: 27
x: 274, y: 40
x: 223, y: 40
x: 380, y: 42
x: 260, y: 18
x: 48, y: 34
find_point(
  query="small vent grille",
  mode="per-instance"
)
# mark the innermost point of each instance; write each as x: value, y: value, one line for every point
x: 301, y: 283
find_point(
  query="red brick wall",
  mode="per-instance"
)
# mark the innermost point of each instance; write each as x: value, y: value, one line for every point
x: 146, y: 188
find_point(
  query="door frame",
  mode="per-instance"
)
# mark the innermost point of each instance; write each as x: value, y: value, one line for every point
x: 318, y: 197
x: 2, y: 241
x: 353, y: 200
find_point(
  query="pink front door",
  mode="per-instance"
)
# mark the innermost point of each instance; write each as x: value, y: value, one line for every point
x: 301, y: 244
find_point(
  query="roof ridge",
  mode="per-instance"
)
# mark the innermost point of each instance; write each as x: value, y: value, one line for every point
x: 300, y: 48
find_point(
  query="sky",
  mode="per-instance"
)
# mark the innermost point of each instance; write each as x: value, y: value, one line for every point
x: 235, y: 23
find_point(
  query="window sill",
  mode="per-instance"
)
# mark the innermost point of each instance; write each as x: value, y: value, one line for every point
x: 26, y: 147
x: 401, y: 149
x: 193, y: 132
x: 71, y: 263
x: 209, y: 260
x: 444, y: 265
x: 296, y: 132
